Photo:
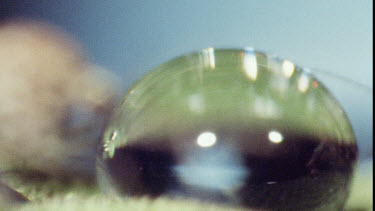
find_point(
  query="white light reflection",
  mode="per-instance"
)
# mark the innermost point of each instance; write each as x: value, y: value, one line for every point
x: 287, y: 68
x: 114, y: 135
x: 206, y: 139
x: 109, y: 145
x: 250, y: 64
x: 209, y: 56
x: 303, y: 83
x: 275, y: 137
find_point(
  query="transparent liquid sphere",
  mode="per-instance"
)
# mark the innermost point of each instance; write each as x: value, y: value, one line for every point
x: 232, y: 126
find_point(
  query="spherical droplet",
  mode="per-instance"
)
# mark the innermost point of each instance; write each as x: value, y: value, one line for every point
x: 232, y: 126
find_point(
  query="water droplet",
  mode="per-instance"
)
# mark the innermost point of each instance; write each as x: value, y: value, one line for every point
x: 214, y: 125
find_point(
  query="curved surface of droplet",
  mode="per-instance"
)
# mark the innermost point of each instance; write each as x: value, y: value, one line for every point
x: 234, y: 126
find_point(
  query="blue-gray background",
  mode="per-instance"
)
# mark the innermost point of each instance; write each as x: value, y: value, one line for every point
x: 131, y: 37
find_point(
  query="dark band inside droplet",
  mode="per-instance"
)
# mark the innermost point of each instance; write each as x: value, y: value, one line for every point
x: 303, y: 167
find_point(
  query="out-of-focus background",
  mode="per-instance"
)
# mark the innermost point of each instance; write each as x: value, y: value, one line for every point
x: 333, y: 38
x: 131, y: 37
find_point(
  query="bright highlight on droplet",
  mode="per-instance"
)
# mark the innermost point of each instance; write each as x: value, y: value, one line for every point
x: 303, y: 83
x: 250, y: 64
x: 287, y: 68
x: 114, y: 135
x: 209, y: 56
x: 275, y: 137
x: 206, y: 139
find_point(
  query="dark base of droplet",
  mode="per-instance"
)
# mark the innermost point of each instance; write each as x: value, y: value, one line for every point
x: 315, y: 176
x: 309, y: 175
x: 327, y: 191
x: 142, y: 171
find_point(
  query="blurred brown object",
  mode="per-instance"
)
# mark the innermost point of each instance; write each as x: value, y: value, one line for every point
x: 53, y: 103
